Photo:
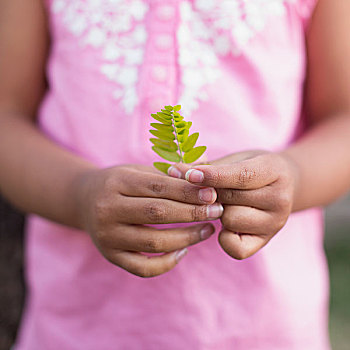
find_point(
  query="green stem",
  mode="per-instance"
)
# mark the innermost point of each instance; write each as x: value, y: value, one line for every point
x: 177, y: 140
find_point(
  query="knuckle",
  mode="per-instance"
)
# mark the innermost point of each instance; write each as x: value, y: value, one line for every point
x: 228, y: 195
x: 283, y: 201
x: 187, y: 193
x: 213, y: 178
x: 155, y: 213
x: 199, y: 213
x: 110, y: 183
x: 245, y: 176
x: 153, y: 245
x: 157, y: 188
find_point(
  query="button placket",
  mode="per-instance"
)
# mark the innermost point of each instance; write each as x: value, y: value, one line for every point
x: 165, y: 12
x: 163, y: 42
x: 159, y: 73
x: 162, y: 55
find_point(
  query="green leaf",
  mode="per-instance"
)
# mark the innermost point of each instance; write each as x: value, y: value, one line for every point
x: 160, y: 119
x: 190, y: 142
x: 181, y: 131
x: 169, y: 108
x: 163, y: 167
x: 163, y: 135
x: 165, y: 116
x: 165, y: 111
x: 180, y: 125
x: 189, y: 124
x: 194, y: 154
x: 171, y: 156
x: 162, y: 127
x: 166, y: 145
x: 177, y: 108
x: 177, y: 114
x: 183, y: 137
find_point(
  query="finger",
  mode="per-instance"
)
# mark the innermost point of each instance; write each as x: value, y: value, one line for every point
x: 241, y: 246
x: 137, y: 184
x: 179, y: 170
x: 163, y: 211
x: 251, y: 220
x: 249, y: 174
x: 263, y: 198
x: 145, y: 266
x: 237, y: 157
x: 150, y: 240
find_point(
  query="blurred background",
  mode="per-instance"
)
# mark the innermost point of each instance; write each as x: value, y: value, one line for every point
x: 337, y: 245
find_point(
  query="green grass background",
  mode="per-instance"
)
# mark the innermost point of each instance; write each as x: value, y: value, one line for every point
x: 337, y: 246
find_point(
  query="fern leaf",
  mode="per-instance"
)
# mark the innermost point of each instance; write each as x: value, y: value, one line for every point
x: 172, y: 141
x: 194, y: 154
x: 163, y: 167
x: 162, y: 127
x: 165, y: 111
x: 167, y: 155
x: 162, y: 120
x: 166, y: 145
x: 165, y: 116
x: 183, y: 137
x: 190, y: 142
x: 163, y: 135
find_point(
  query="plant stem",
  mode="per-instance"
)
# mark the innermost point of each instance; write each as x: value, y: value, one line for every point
x: 177, y: 140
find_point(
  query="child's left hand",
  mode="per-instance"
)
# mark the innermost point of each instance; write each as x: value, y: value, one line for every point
x: 256, y: 189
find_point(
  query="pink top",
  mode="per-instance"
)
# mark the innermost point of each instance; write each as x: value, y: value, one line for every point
x: 237, y: 67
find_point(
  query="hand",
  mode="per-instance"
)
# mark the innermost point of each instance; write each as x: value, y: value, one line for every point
x: 116, y: 202
x: 257, y: 190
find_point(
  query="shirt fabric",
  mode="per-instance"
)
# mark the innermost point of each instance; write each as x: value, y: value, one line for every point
x: 237, y: 67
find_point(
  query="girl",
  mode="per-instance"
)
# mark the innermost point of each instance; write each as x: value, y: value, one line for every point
x: 74, y: 154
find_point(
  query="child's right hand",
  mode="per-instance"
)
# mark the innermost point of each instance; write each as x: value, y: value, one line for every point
x: 116, y: 202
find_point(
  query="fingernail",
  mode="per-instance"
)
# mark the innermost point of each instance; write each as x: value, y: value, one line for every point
x: 172, y: 171
x: 214, y: 211
x: 206, y: 194
x: 194, y: 175
x: 206, y: 232
x: 180, y: 254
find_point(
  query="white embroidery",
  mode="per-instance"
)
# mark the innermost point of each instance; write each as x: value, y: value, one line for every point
x: 116, y: 28
x: 210, y: 29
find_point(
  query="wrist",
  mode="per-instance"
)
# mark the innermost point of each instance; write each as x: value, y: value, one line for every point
x: 82, y: 194
x: 294, y: 174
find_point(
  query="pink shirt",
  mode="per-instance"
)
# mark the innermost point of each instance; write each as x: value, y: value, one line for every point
x: 237, y: 67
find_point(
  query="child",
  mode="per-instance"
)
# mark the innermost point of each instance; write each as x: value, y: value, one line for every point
x: 75, y: 154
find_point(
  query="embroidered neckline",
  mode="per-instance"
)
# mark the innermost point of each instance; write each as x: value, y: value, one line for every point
x: 208, y: 30
x: 115, y: 28
x: 211, y: 29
